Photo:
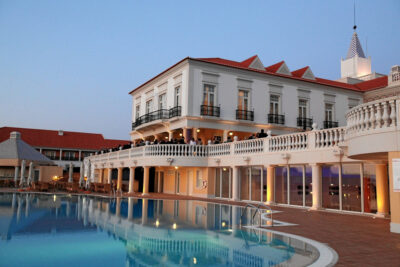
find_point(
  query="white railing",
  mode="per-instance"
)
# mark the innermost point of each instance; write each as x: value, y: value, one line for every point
x: 372, y: 116
x: 249, y: 146
x: 176, y: 150
x: 219, y: 149
x: 297, y: 141
x: 329, y: 137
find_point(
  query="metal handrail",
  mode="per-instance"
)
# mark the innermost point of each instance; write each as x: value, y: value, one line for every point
x: 259, y: 212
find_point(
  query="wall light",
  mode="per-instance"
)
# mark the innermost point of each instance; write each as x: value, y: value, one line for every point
x: 157, y: 223
x: 230, y: 133
x: 174, y: 226
x: 176, y: 167
x: 180, y: 134
x: 198, y: 130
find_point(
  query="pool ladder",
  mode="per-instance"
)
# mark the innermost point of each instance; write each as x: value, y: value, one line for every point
x: 260, y: 212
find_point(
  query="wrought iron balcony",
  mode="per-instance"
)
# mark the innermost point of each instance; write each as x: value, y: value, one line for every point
x: 304, y: 122
x: 209, y: 110
x: 70, y: 158
x: 276, y: 119
x: 152, y: 116
x: 244, y: 115
x: 175, y: 111
x: 330, y: 124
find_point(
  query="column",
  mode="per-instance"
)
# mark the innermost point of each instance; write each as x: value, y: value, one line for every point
x: 16, y: 174
x: 109, y: 172
x: 119, y: 181
x: 194, y: 133
x: 131, y: 179
x: 316, y: 187
x: 382, y: 194
x: 270, y: 184
x: 235, y: 183
x: 170, y: 135
x: 60, y: 154
x: 225, y: 135
x: 101, y: 175
x: 146, y: 180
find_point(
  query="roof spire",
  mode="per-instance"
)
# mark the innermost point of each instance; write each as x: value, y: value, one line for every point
x: 354, y: 16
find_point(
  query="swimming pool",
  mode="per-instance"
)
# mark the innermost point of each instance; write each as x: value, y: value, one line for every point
x: 71, y: 230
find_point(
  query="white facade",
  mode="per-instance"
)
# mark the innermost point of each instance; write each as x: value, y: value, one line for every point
x: 192, y: 75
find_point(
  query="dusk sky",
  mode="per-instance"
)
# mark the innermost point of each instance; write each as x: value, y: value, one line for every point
x: 71, y: 64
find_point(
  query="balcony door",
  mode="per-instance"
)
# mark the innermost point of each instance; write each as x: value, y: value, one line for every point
x: 303, y: 108
x: 177, y: 98
x: 149, y: 106
x: 328, y: 112
x: 209, y: 95
x: 243, y: 100
x: 274, y: 105
x: 162, y: 101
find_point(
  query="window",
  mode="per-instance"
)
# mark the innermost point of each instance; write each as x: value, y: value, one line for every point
x: 244, y: 99
x: 137, y: 112
x: 69, y: 155
x: 177, y: 100
x: 162, y: 101
x: 149, y: 106
x: 274, y: 104
x: 329, y: 112
x: 303, y: 104
x: 50, y: 154
x: 199, y: 178
x: 209, y: 95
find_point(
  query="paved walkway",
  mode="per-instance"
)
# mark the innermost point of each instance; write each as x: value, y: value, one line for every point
x: 358, y: 240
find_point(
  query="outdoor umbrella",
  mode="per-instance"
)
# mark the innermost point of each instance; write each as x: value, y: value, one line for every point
x: 71, y: 169
x: 22, y: 179
x: 30, y: 175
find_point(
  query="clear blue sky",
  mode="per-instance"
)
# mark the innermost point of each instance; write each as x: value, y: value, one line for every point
x: 70, y: 64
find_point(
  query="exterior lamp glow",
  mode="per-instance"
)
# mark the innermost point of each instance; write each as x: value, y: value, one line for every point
x: 198, y: 130
x: 230, y: 133
x: 194, y: 260
x: 176, y: 167
x: 223, y: 224
x: 174, y: 226
x: 180, y: 134
x: 157, y: 223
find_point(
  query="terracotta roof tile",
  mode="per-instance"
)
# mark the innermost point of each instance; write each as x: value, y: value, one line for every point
x: 274, y: 68
x: 300, y: 72
x: 71, y: 140
x: 376, y: 83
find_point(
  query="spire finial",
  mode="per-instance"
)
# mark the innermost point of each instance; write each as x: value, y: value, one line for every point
x: 354, y: 17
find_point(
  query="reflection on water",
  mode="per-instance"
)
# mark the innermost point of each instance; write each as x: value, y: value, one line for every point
x: 65, y: 230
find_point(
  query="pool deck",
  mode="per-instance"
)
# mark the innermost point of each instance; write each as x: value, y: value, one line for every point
x: 359, y: 240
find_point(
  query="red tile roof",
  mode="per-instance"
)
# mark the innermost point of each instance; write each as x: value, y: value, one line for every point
x: 69, y: 140
x: 300, y: 72
x: 272, y: 70
x: 376, y: 83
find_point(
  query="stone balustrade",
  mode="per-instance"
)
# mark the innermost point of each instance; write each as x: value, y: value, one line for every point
x: 372, y: 116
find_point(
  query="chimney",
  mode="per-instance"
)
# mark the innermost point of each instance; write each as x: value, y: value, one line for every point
x: 15, y: 135
x: 60, y: 132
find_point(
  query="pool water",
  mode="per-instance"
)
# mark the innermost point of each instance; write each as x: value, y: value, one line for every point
x: 69, y: 230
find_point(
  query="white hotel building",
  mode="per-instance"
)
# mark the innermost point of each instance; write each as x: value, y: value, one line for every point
x: 331, y: 144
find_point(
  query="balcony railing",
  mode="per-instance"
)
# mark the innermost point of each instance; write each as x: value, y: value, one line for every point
x: 330, y: 124
x: 175, y: 111
x: 161, y: 114
x: 245, y: 115
x: 304, y: 122
x: 53, y: 157
x: 70, y: 158
x: 276, y: 119
x: 209, y: 110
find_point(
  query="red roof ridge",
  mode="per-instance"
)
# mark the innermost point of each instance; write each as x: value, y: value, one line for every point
x: 300, y: 72
x: 247, y: 62
x: 275, y: 67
